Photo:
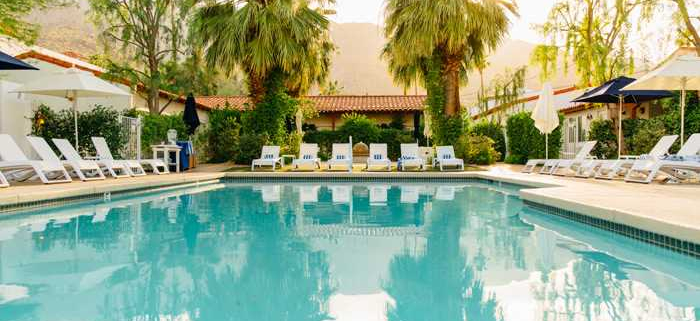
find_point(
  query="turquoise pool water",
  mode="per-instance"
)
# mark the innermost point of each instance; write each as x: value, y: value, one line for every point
x: 343, y: 251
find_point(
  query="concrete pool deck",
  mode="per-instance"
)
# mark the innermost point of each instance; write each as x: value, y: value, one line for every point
x: 671, y: 210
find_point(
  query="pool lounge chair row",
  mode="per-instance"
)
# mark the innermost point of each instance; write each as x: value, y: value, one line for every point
x: 51, y: 169
x: 341, y: 156
x: 642, y: 169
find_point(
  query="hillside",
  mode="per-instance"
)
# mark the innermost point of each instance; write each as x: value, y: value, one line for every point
x: 356, y: 66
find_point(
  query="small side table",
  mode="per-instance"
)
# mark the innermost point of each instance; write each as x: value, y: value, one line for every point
x: 166, y: 149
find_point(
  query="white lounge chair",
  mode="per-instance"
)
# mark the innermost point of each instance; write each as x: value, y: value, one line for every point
x: 446, y: 157
x: 74, y: 159
x: 644, y: 170
x: 308, y: 155
x: 532, y: 164
x: 158, y: 166
x: 410, y: 157
x: 270, y: 156
x: 13, y: 160
x: 615, y: 168
x: 566, y: 167
x: 378, y: 157
x: 85, y: 170
x: 106, y: 160
x: 341, y: 156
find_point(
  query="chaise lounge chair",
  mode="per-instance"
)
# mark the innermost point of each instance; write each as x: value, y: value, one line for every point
x: 410, y: 157
x: 73, y: 159
x: 341, y: 156
x: 270, y: 156
x: 308, y: 155
x: 567, y: 167
x: 132, y: 166
x: 446, y: 157
x: 646, y: 169
x: 13, y: 160
x: 378, y: 157
x: 85, y: 170
x: 614, y: 168
x: 532, y: 164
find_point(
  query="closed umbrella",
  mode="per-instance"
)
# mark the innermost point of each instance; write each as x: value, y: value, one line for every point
x: 72, y: 84
x: 190, y: 116
x: 299, y: 121
x: 427, y: 131
x: 545, y: 116
x: 680, y: 73
x: 8, y: 62
x: 611, y: 92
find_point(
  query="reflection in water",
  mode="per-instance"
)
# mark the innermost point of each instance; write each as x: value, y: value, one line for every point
x: 341, y: 252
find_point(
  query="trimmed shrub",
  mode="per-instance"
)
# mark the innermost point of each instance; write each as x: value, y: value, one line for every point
x: 361, y: 128
x: 647, y: 135
x: 100, y: 121
x: 394, y: 138
x: 603, y: 131
x: 223, y: 134
x: 324, y: 139
x: 476, y: 149
x: 493, y: 130
x: 249, y: 148
x: 526, y: 142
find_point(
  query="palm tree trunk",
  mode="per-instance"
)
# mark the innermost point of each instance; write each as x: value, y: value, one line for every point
x: 451, y: 83
x: 256, y: 88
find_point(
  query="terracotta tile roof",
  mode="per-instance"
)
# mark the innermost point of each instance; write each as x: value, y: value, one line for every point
x: 335, y: 104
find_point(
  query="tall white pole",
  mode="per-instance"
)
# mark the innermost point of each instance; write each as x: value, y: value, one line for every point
x: 75, y: 117
x: 683, y: 111
x: 546, y: 146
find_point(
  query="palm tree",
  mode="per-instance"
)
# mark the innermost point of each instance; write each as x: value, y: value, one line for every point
x: 264, y: 38
x: 437, y: 42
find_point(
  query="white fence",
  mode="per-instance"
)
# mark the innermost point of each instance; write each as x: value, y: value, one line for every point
x: 131, y: 129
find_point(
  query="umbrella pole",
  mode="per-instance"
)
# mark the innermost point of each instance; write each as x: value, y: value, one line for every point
x: 683, y: 113
x: 619, y: 128
x: 546, y: 146
x: 75, y: 117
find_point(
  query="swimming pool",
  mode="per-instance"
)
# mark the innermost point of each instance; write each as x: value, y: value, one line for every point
x: 338, y: 250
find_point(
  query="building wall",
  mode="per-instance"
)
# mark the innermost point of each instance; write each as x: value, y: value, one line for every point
x: 325, y: 121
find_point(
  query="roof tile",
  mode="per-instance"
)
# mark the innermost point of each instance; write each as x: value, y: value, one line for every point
x: 334, y: 104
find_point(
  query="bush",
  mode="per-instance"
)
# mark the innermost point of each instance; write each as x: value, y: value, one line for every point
x: 603, y: 131
x: 249, y: 147
x: 647, y: 135
x: 223, y: 134
x: 269, y: 117
x: 324, y: 139
x: 361, y: 128
x: 394, y: 138
x: 476, y: 149
x: 154, y: 128
x: 493, y: 130
x: 100, y: 121
x: 526, y: 142
x: 292, y: 143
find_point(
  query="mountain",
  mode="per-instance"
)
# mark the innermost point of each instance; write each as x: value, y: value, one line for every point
x: 357, y: 65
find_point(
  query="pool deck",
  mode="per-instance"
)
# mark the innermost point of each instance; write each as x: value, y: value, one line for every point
x: 672, y: 210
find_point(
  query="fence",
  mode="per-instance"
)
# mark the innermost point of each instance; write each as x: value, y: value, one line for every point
x: 131, y: 129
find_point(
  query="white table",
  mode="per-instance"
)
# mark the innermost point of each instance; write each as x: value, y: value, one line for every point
x: 166, y: 149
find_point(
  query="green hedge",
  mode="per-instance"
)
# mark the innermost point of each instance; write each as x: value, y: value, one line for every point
x: 154, y: 128
x: 493, y: 130
x: 223, y: 134
x: 526, y: 142
x: 476, y: 149
x: 99, y: 121
x: 603, y: 131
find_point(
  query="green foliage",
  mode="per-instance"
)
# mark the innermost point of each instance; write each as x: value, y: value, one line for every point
x: 292, y: 142
x: 249, y: 148
x: 603, y: 131
x: 269, y: 115
x: 526, y: 142
x: 100, y: 121
x: 647, y: 135
x: 394, y: 138
x: 154, y: 129
x: 545, y: 57
x: 14, y: 12
x: 476, y: 149
x: 325, y: 140
x: 494, y: 131
x: 361, y: 128
x: 672, y: 115
x: 223, y: 134
x: 397, y: 122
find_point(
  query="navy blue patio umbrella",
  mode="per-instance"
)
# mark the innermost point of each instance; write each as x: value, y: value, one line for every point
x: 611, y: 93
x: 8, y: 62
x: 190, y: 116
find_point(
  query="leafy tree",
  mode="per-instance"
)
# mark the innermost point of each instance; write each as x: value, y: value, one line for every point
x: 12, y: 13
x: 149, y: 32
x: 546, y: 58
x: 603, y: 131
x: 595, y: 33
x: 435, y: 43
x: 288, y: 37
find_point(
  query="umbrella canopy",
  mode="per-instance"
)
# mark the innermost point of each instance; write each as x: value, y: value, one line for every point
x: 72, y: 84
x: 190, y: 116
x: 611, y: 91
x: 545, y: 115
x: 680, y: 73
x: 8, y: 62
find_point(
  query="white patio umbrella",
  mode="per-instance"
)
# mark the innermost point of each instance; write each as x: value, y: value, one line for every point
x: 680, y: 73
x: 72, y: 84
x: 545, y: 115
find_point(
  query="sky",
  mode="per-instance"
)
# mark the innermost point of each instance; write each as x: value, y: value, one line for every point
x: 371, y: 11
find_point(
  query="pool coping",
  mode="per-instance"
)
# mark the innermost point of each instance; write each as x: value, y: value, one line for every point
x: 677, y: 237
